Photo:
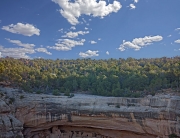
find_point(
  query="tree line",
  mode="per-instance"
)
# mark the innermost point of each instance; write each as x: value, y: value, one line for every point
x: 109, y: 77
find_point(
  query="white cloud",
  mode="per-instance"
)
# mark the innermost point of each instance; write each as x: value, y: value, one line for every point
x: 122, y: 48
x: 147, y: 40
x: 107, y: 52
x: 138, y: 43
x: 75, y: 34
x: 19, y: 43
x: 177, y: 41
x: 86, y: 28
x: 84, y: 20
x: 99, y: 39
x: 16, y: 52
x: 129, y: 45
x: 0, y: 55
x: 61, y: 30
x: 73, y: 28
x: 169, y: 35
x: 176, y: 49
x: 60, y: 47
x: 89, y: 53
x: 93, y: 42
x: 73, y: 10
x: 177, y: 29
x: 44, y: 50
x: 66, y: 44
x: 24, y: 29
x: 136, y: 1
x: 132, y: 6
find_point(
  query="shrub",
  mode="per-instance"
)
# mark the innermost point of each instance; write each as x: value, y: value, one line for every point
x: 153, y: 93
x: 38, y: 92
x: 21, y: 97
x: 11, y: 100
x: 18, y: 136
x: 67, y: 92
x: 117, y: 106
x: 131, y: 104
x: 1, y: 94
x: 173, y: 136
x: 56, y: 92
x: 136, y: 95
x: 71, y: 95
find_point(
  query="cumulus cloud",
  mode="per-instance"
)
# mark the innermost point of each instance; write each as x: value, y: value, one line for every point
x: 73, y: 28
x: 99, y: 39
x: 86, y: 28
x: 177, y: 29
x: 107, y: 52
x: 93, y: 42
x: 19, y: 43
x: 176, y: 49
x: 24, y: 29
x: 66, y: 44
x: 169, y: 35
x: 73, y: 10
x: 16, y: 52
x: 61, y: 30
x: 20, y: 52
x: 89, y: 53
x: 84, y: 20
x: 136, y: 1
x: 138, y: 43
x: 177, y: 41
x: 132, y: 6
x: 147, y: 40
x: 75, y: 34
x: 44, y: 50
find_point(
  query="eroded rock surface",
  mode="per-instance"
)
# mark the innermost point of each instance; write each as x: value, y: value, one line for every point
x: 87, y: 116
x: 9, y: 125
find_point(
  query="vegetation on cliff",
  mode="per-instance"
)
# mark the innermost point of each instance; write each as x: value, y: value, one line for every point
x: 113, y: 77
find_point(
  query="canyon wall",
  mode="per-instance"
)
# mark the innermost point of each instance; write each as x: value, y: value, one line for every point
x: 87, y: 116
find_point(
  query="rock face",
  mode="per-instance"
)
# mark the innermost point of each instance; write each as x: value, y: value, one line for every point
x: 9, y: 125
x: 87, y: 116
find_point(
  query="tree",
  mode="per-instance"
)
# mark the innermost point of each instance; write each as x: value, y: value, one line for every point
x: 75, y: 85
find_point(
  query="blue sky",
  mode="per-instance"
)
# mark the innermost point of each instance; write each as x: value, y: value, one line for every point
x: 74, y: 29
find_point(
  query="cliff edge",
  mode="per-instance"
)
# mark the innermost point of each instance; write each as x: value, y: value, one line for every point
x: 87, y: 116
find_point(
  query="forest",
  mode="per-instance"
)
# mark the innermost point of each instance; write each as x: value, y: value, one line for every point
x: 106, y: 77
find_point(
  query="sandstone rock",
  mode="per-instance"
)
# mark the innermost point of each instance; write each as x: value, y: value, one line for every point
x: 10, y: 127
x: 4, y: 108
x: 15, y: 123
x: 90, y: 116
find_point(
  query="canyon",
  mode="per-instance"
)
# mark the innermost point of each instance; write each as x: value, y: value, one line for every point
x: 87, y: 116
